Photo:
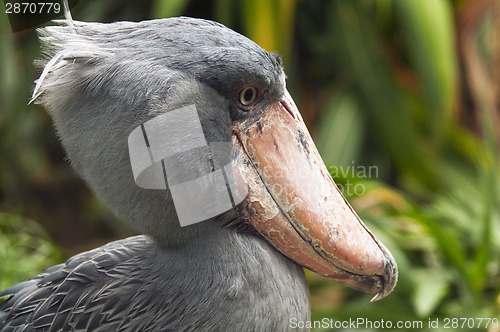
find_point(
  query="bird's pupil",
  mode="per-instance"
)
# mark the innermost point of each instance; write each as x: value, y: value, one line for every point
x: 249, y: 95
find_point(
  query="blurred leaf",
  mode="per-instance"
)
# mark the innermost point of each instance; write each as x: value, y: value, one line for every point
x: 270, y: 24
x: 428, y: 29
x: 392, y: 116
x: 224, y: 10
x: 25, y: 249
x: 341, y: 131
x: 431, y: 288
x: 259, y: 23
x: 168, y: 8
x: 448, y: 240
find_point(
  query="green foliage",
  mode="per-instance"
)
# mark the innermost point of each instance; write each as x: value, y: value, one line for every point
x: 427, y: 28
x: 443, y: 223
x: 168, y: 8
x: 25, y: 249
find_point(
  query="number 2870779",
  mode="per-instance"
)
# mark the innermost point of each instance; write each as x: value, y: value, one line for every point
x: 32, y: 8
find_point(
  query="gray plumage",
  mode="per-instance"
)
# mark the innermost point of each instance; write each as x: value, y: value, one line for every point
x: 132, y: 285
x: 105, y: 80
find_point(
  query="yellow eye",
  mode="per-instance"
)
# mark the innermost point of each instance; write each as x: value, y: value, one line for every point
x: 248, y: 95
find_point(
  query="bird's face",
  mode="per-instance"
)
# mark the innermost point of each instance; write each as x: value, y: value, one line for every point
x: 291, y: 198
x: 240, y: 95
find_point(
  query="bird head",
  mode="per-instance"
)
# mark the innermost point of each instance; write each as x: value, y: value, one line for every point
x: 103, y: 81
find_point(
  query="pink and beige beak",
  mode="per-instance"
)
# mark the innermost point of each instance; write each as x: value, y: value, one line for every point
x: 297, y: 207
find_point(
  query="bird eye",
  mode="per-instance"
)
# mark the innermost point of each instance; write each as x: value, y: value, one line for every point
x: 248, y: 95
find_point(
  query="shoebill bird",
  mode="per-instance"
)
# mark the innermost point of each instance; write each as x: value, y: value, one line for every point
x: 239, y: 270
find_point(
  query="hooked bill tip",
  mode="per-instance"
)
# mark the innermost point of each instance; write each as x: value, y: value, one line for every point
x: 377, y: 297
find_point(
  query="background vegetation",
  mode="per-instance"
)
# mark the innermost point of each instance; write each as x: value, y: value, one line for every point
x: 411, y: 87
